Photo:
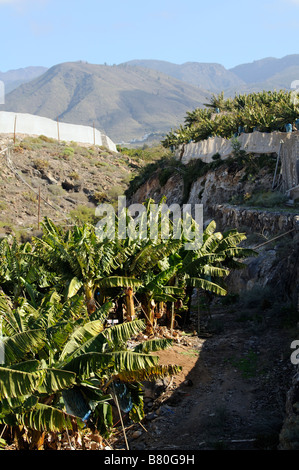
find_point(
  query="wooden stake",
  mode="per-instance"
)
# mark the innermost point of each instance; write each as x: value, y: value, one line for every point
x: 14, y: 131
x: 58, y: 130
x: 38, y: 211
x: 120, y: 416
x: 94, y: 134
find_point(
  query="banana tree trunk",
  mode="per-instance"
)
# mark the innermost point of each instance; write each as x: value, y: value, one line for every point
x: 172, y: 317
x: 149, y: 315
x: 37, y: 440
x: 20, y: 438
x: 89, y: 298
x: 130, y: 304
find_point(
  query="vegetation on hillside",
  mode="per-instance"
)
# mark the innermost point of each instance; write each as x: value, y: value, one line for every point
x: 168, y: 166
x: 265, y: 111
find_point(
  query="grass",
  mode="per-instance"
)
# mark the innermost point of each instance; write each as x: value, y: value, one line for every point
x: 247, y: 364
x: 191, y: 352
x: 267, y: 199
x: 83, y: 214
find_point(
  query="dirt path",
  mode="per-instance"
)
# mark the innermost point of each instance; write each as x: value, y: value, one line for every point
x: 231, y: 392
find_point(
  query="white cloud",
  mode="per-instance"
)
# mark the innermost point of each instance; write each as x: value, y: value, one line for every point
x: 21, y: 7
x: 23, y: 3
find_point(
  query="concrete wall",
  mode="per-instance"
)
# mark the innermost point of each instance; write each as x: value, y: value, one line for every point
x: 290, y: 162
x: 255, y: 142
x: 37, y: 125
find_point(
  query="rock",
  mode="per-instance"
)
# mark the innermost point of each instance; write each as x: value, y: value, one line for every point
x: 94, y: 446
x: 151, y: 416
x: 49, y: 178
x: 289, y: 435
x: 70, y: 185
x: 188, y: 382
x: 136, y: 434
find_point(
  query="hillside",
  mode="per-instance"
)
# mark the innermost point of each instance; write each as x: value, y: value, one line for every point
x: 212, y: 77
x: 73, y: 179
x: 122, y: 101
x: 264, y: 74
x: 266, y: 69
x: 139, y: 98
x: 14, y: 78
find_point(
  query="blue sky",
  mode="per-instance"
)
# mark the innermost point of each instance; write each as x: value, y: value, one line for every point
x: 48, y: 32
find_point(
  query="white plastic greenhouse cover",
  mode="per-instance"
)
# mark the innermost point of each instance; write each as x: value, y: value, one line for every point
x: 30, y: 124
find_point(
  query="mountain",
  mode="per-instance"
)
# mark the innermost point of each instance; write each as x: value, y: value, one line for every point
x: 14, y: 78
x: 264, y: 74
x: 137, y: 98
x: 209, y: 76
x: 123, y: 101
x: 268, y: 69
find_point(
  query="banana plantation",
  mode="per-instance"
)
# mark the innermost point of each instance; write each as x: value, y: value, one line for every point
x: 69, y: 304
x: 265, y: 111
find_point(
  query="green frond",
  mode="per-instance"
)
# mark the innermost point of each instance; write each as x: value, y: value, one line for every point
x: 46, y: 418
x: 131, y: 361
x: 214, y: 271
x: 73, y: 287
x: 210, y: 229
x: 231, y: 241
x: 150, y: 373
x: 118, y: 281
x: 18, y: 346
x: 102, y: 312
x: 15, y: 383
x: 103, y: 419
x: 206, y: 285
x: 151, y: 254
x: 153, y: 345
x: 55, y: 380
x: 86, y: 364
x: 117, y: 335
x: 238, y: 252
x: 80, y: 336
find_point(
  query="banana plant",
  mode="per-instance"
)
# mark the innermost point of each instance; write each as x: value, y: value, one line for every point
x: 84, y: 262
x: 61, y: 371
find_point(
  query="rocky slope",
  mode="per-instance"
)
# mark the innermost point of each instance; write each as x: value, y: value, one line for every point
x: 224, y: 190
x: 72, y: 180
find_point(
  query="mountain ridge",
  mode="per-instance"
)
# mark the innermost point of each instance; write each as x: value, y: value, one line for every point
x: 122, y: 101
x: 140, y: 97
x: 16, y: 77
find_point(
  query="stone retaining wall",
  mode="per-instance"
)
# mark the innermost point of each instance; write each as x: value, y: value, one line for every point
x: 260, y: 221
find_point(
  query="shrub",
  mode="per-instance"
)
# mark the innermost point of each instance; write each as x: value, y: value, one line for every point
x: 267, y: 199
x: 68, y: 152
x: 83, y: 214
x: 40, y: 164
